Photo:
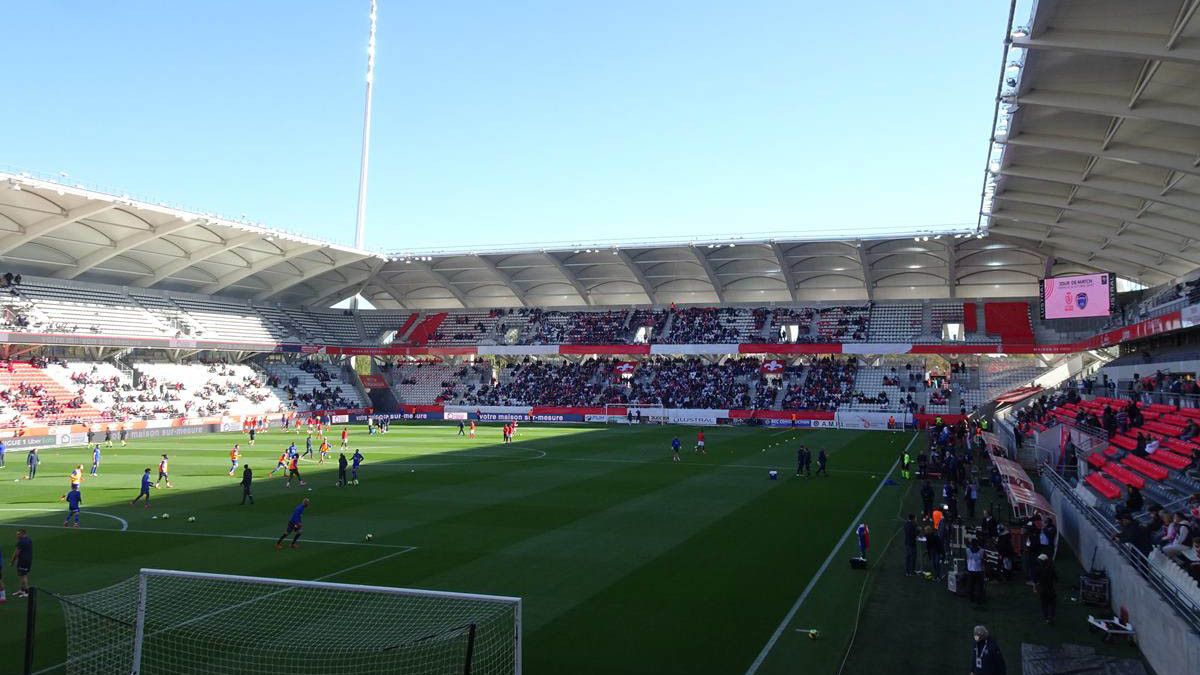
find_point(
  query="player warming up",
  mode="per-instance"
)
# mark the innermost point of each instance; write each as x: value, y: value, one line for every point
x: 74, y: 499
x: 675, y: 445
x: 74, y: 479
x: 345, y: 437
x: 145, y: 490
x: 354, y: 462
x: 700, y: 442
x: 164, y: 473
x: 308, y: 447
x: 341, y: 481
x: 324, y: 451
x: 294, y: 526
x: 96, y: 460
x: 472, y: 432
x: 234, y: 455
x: 283, y: 461
x: 294, y: 471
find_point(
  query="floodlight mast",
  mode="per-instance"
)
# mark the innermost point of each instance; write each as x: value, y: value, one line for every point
x: 361, y: 216
x: 360, y: 220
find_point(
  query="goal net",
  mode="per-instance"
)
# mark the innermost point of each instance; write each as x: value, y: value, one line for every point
x: 164, y: 621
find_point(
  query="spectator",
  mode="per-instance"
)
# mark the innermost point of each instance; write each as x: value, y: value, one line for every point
x: 1180, y: 537
x: 986, y: 658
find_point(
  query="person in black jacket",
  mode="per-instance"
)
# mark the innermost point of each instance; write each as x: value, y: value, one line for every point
x: 341, y: 481
x: 986, y: 658
x: 247, y: 477
x: 1133, y: 533
x: 927, y: 498
x: 1044, y: 587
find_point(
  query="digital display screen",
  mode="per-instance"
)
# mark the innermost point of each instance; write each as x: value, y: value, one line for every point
x: 1086, y: 295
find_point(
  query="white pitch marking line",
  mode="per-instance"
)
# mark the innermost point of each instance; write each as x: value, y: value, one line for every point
x: 124, y: 523
x: 766, y: 650
x: 218, y: 535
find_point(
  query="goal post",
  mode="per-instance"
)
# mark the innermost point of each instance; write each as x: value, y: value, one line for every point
x: 166, y: 621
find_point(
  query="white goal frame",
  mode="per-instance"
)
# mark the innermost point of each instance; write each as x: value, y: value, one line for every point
x: 287, y: 584
x: 651, y: 413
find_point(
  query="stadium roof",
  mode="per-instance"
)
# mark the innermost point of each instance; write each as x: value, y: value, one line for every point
x: 1096, y: 154
x: 52, y: 229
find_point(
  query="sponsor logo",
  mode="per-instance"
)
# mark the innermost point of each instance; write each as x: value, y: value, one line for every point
x: 1081, y: 300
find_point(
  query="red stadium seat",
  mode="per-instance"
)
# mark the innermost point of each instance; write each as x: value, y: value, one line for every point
x: 1144, y: 467
x: 1120, y: 473
x: 1124, y: 442
x: 1096, y: 460
x: 1171, y: 460
x: 1103, y: 486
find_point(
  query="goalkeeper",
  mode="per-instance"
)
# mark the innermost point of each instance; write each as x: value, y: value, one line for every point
x: 294, y: 526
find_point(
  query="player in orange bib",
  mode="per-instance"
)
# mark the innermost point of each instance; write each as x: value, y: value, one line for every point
x: 234, y: 455
x: 325, y: 450
x: 472, y: 433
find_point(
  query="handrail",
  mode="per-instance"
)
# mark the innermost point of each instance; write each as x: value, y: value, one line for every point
x: 1166, y: 588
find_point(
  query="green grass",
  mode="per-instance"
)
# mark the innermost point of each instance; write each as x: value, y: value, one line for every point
x: 626, y: 561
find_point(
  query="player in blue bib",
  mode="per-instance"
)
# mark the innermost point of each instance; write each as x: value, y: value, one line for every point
x: 294, y: 526
x: 74, y: 499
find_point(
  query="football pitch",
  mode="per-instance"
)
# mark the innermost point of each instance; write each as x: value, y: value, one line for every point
x: 626, y: 561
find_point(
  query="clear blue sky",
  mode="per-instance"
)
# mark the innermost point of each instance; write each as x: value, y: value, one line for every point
x: 519, y: 121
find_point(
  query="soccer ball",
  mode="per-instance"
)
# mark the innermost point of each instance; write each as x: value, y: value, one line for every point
x: 166, y: 515
x: 814, y: 634
x: 191, y: 519
x: 356, y: 481
x: 369, y: 537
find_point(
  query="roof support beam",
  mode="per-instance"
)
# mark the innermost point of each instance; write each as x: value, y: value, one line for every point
x: 867, y: 270
x: 505, y: 278
x: 570, y: 276
x: 713, y: 279
x: 199, y: 255
x: 103, y: 255
x: 1161, y: 159
x: 235, y: 276
x: 1142, y: 275
x: 951, y: 266
x: 1108, y: 184
x: 789, y: 277
x: 639, y: 275
x: 354, y: 280
x: 1085, y: 227
x: 1116, y: 249
x: 47, y: 225
x: 1112, y: 106
x: 303, y: 277
x: 1157, y: 223
x: 1115, y: 45
x: 443, y: 280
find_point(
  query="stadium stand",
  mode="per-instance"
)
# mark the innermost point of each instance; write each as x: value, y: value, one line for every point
x: 312, y: 385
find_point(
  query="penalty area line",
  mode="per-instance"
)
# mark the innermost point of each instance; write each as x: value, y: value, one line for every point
x: 787, y: 619
x: 218, y: 535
